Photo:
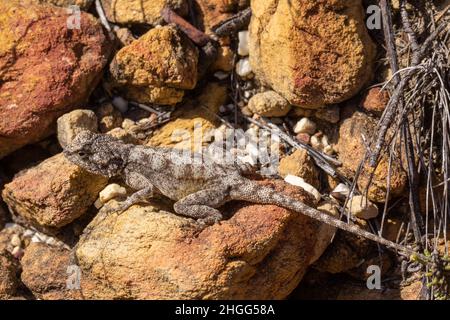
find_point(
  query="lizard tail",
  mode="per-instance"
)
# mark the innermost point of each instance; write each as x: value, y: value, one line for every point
x: 253, y: 192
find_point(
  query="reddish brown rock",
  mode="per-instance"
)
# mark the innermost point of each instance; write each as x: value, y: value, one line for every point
x: 350, y: 145
x: 54, y: 193
x: 47, y: 274
x: 261, y: 252
x: 9, y: 272
x: 46, y: 69
x: 375, y: 100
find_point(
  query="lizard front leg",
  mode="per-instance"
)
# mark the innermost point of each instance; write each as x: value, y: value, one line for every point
x: 138, y: 182
x: 202, y: 205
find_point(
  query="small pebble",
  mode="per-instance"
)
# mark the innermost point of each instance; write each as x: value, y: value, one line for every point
x: 15, y: 240
x: 120, y: 103
x: 362, y: 208
x: 111, y: 191
x: 341, y: 192
x: 316, y: 143
x: 304, y: 137
x: 243, y: 68
x: 243, y: 43
x: 305, y: 125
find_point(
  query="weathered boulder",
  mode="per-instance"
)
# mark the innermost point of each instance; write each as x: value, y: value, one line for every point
x: 353, y: 129
x: 141, y: 11
x: 157, y: 67
x: 47, y: 272
x: 54, y: 193
x: 9, y: 275
x: 46, y: 69
x: 261, y: 252
x: 311, y: 52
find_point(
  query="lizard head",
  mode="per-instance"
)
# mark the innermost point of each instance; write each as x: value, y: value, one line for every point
x: 97, y: 153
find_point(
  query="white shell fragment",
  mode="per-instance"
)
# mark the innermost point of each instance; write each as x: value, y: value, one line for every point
x: 341, y: 192
x: 299, y: 182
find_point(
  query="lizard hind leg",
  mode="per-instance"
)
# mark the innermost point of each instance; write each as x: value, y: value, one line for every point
x: 203, y: 205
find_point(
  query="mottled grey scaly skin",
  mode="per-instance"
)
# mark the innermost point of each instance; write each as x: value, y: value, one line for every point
x: 198, y: 187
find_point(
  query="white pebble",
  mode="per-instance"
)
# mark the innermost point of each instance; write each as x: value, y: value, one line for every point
x: 243, y: 43
x: 17, y: 252
x: 305, y: 125
x: 299, y: 182
x: 243, y: 68
x: 341, y: 192
x: 111, y: 191
x: 15, y: 240
x: 120, y: 103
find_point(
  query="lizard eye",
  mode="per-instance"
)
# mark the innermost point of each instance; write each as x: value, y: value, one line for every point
x: 82, y: 154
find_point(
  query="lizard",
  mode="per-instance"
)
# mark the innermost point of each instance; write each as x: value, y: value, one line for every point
x: 198, y: 184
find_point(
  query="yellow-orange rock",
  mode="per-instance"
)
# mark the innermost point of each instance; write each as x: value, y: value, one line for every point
x: 46, y: 69
x: 311, y: 52
x: 192, y: 125
x: 157, y: 67
x: 141, y: 11
x: 261, y: 252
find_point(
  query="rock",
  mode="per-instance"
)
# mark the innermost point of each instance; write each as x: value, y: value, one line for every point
x: 157, y: 67
x: 362, y: 208
x: 340, y: 192
x: 351, y: 150
x: 212, y: 12
x: 299, y: 182
x: 305, y: 125
x: 301, y: 165
x: 375, y: 100
x: 191, y: 125
x: 243, y: 68
x: 311, y: 52
x: 112, y: 191
x: 124, y: 36
x: 329, y: 114
x: 72, y: 123
x: 261, y: 252
x: 225, y: 60
x: 109, y: 117
x: 141, y: 11
x: 45, y: 197
x: 269, y: 104
x: 243, y: 43
x: 46, y: 272
x: 345, y: 253
x: 46, y: 69
x: 83, y: 4
x: 9, y: 275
